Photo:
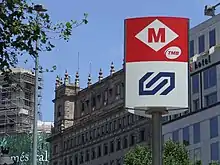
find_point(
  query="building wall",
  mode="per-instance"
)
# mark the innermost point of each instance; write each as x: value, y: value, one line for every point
x: 99, y: 120
x: 199, y: 130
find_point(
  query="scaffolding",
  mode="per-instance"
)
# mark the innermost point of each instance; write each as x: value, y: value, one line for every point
x: 17, y: 102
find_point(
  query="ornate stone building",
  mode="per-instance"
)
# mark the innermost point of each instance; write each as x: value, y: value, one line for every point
x: 91, y: 126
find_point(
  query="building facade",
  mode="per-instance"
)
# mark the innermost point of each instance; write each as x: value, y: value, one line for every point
x: 91, y: 127
x: 200, y: 129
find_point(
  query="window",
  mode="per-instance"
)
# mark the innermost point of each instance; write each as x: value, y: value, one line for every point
x: 213, y: 127
x: 196, y: 133
x: 215, y: 151
x: 110, y: 126
x: 112, y: 146
x: 99, y: 151
x: 93, y: 154
x: 201, y: 43
x: 191, y: 47
x: 105, y: 97
x: 72, y: 143
x: 212, y: 38
x: 142, y: 135
x: 83, y: 138
x: 118, y: 162
x: 211, y: 99
x: 195, y: 83
x: 87, y: 155
x: 196, y: 105
x: 87, y: 103
x: 118, y: 145
x: 210, y: 77
x: 112, y: 162
x: 117, y: 91
x: 175, y: 136
x: 106, y: 127
x: 105, y: 147
x: 27, y: 103
x: 27, y: 95
x: 132, y: 140
x: 115, y: 125
x: 186, y: 136
x: 125, y: 142
x: 103, y: 129
x: 99, y: 97
x: 81, y: 158
x: 82, y: 108
x: 65, y: 161
x: 93, y: 103
x: 122, y: 90
x: 110, y: 92
x: 124, y: 121
x: 76, y: 160
x: 119, y: 123
x: 98, y: 132
x: 132, y: 118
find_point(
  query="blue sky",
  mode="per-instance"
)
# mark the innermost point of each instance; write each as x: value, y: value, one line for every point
x: 101, y: 41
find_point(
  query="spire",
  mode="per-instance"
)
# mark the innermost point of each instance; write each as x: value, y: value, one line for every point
x: 66, y: 78
x: 112, y: 70
x: 100, y: 74
x: 89, y: 80
x: 57, y: 82
x: 61, y: 81
x: 77, y: 79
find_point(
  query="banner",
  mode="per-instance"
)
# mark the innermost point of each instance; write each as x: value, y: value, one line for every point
x: 20, y: 148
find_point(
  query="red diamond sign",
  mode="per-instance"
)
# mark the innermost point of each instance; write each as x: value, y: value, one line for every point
x: 156, y: 39
x: 156, y: 35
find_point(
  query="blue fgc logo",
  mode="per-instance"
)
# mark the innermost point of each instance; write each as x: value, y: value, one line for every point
x: 158, y: 82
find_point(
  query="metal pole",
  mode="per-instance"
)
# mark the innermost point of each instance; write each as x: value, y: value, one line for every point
x: 34, y: 154
x: 157, y: 138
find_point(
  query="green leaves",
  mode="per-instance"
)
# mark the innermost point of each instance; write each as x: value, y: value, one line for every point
x: 174, y: 154
x: 140, y: 155
x: 21, y: 27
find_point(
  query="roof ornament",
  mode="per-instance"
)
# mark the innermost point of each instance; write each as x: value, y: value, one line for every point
x: 112, y: 70
x: 100, y: 75
x: 77, y: 79
x: 89, y: 80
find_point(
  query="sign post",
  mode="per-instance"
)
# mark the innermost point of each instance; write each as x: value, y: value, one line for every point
x: 156, y: 71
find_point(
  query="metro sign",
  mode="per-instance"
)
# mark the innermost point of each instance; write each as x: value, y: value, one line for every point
x: 156, y: 39
x: 156, y: 35
x: 156, y: 63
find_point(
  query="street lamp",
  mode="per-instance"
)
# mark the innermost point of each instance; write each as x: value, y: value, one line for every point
x: 210, y: 10
x: 38, y: 8
x: 5, y: 158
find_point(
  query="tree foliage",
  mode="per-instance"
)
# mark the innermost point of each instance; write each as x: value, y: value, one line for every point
x: 173, y: 154
x: 21, y: 26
